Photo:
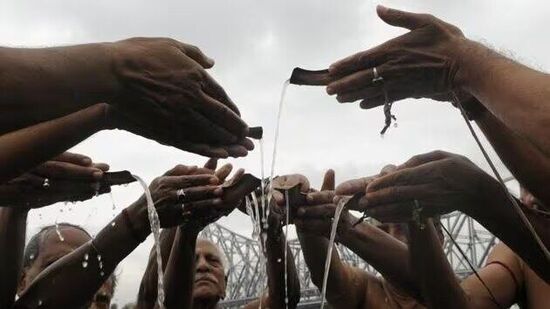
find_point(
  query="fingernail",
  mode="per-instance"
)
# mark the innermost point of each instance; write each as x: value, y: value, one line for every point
x: 97, y: 175
x: 86, y: 161
x: 330, y: 90
x: 382, y: 9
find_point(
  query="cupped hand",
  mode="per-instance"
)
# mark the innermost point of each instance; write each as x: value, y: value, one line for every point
x: 317, y: 216
x: 68, y: 177
x: 430, y: 184
x: 422, y: 63
x: 166, y: 95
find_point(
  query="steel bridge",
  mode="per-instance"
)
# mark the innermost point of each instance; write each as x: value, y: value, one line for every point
x: 247, y: 271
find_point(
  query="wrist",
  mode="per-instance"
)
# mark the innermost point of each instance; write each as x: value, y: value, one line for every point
x: 138, y: 219
x: 470, y: 57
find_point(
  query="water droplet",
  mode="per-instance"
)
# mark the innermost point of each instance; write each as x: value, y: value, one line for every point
x: 113, y: 223
x: 65, y: 203
x: 60, y: 210
x: 84, y: 264
x: 125, y: 185
x: 31, y: 257
x: 99, y: 257
x: 58, y: 232
x: 86, y: 256
x: 102, y: 274
x: 279, y: 260
x: 39, y: 302
x: 46, y: 183
x: 395, y: 124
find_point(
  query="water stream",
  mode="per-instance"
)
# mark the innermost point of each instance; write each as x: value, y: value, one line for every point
x: 287, y: 219
x: 341, y: 203
x: 154, y: 222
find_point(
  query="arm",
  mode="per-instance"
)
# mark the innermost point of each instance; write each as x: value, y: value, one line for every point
x: 13, y: 224
x: 386, y: 254
x: 528, y: 164
x: 26, y: 148
x: 276, y: 270
x: 432, y: 271
x: 515, y: 94
x: 180, y: 270
x: 147, y: 295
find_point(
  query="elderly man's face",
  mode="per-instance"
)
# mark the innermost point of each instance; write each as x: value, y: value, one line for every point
x: 209, y: 277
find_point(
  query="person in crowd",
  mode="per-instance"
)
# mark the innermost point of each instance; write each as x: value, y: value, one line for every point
x: 155, y: 87
x: 503, y: 281
x: 202, y: 193
x: 70, y: 178
x: 195, y: 273
x: 47, y: 246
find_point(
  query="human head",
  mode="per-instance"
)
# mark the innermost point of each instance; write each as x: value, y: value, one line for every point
x: 46, y: 247
x: 210, y: 279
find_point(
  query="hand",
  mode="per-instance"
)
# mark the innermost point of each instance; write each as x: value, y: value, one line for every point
x: 440, y: 182
x: 166, y: 95
x: 423, y: 63
x: 285, y: 182
x: 359, y: 185
x: 67, y: 177
x: 317, y: 216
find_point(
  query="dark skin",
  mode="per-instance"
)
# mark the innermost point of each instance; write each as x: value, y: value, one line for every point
x: 386, y: 253
x: 442, y: 182
x: 435, y: 57
x: 51, y: 250
x: 201, y: 259
x: 65, y: 168
x: 155, y: 87
x: 114, y: 243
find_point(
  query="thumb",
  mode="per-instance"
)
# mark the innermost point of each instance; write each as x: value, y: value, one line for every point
x: 328, y: 180
x: 401, y: 19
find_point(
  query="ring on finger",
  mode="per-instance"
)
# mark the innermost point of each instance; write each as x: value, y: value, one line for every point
x: 377, y: 77
x: 46, y: 183
x: 180, y: 194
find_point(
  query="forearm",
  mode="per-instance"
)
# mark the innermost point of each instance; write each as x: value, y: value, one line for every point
x: 440, y: 288
x: 527, y: 163
x: 24, y: 149
x: 499, y: 217
x: 314, y: 249
x: 276, y: 270
x: 386, y: 254
x: 147, y: 295
x: 180, y: 270
x: 13, y: 224
x: 108, y: 248
x: 517, y: 95
x: 46, y: 83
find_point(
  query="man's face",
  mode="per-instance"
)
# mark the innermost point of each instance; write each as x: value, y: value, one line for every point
x: 52, y: 249
x: 209, y: 276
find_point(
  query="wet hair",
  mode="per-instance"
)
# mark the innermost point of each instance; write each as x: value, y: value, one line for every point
x: 32, y: 250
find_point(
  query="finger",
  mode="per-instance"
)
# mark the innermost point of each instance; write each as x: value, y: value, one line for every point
x: 209, y: 130
x: 247, y: 143
x: 278, y: 197
x: 328, y: 180
x: 57, y: 169
x: 424, y: 158
x: 211, y: 164
x: 352, y: 82
x: 102, y: 166
x: 186, y: 181
x: 397, y: 194
x: 407, y: 176
x: 396, y: 212
x: 74, y: 158
x: 181, y: 169
x: 204, y: 149
x: 390, y: 168
x: 364, y: 93
x: 322, y: 197
x: 222, y: 115
x: 320, y: 211
x: 213, y: 89
x: 201, y: 193
x: 373, y: 102
x: 202, y: 206
x: 236, y: 176
x: 402, y: 19
x: 196, y: 54
x: 237, y: 150
x: 353, y: 186
x: 223, y: 172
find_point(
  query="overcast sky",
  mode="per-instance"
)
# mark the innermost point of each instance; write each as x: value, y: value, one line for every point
x: 256, y: 44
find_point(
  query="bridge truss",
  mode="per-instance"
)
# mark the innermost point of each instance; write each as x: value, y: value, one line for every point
x: 246, y: 278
